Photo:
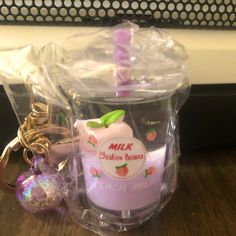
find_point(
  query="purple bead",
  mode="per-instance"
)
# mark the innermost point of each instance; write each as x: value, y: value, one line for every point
x: 39, y: 192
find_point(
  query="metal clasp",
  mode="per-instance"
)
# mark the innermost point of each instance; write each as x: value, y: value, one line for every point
x: 14, y: 145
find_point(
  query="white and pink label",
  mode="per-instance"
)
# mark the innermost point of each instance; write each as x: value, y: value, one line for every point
x: 122, y: 157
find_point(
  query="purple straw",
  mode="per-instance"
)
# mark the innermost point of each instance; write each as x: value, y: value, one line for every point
x: 122, y: 39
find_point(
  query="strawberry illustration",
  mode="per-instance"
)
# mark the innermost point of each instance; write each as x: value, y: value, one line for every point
x: 151, y: 134
x: 122, y: 170
x: 149, y: 171
x: 92, y: 140
x: 94, y: 171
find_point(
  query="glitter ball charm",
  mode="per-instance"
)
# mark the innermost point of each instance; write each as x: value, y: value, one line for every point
x: 39, y: 188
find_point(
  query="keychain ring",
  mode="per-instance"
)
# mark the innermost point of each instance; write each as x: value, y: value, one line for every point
x: 14, y: 145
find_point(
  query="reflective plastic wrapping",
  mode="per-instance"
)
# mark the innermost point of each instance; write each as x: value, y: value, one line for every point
x: 112, y: 99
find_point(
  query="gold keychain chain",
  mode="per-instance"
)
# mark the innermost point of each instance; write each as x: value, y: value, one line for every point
x: 31, y: 137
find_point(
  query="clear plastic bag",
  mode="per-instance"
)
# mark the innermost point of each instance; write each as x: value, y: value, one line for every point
x: 112, y: 99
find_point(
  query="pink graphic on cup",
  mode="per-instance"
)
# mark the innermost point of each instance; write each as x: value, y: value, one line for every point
x: 149, y: 171
x: 151, y: 135
x: 95, y: 172
x: 122, y: 170
x: 92, y: 140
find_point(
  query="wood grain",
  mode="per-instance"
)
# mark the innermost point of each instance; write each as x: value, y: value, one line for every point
x: 204, y: 204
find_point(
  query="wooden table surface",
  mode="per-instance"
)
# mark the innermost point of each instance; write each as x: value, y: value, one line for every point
x: 204, y: 204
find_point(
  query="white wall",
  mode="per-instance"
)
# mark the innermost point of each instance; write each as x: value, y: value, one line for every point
x: 212, y: 54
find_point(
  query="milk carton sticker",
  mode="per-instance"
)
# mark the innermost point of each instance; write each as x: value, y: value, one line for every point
x: 121, y: 157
